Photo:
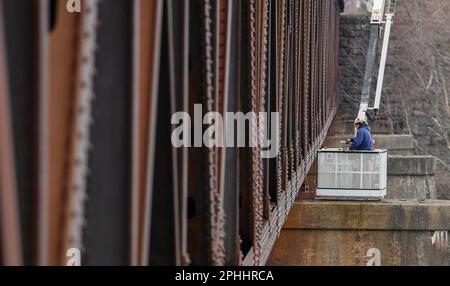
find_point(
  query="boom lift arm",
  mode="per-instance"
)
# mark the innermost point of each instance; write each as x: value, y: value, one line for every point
x: 382, y: 10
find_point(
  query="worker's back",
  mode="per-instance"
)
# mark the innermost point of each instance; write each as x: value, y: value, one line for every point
x: 363, y: 139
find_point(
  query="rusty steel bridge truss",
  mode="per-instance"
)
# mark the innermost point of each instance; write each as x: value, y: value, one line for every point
x: 86, y: 99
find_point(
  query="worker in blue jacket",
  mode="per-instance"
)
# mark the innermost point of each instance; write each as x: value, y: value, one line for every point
x: 363, y: 139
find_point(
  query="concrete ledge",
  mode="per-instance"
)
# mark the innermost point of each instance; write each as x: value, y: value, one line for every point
x: 387, y: 215
x: 390, y: 142
x: 411, y: 165
x: 394, y: 142
x: 411, y: 188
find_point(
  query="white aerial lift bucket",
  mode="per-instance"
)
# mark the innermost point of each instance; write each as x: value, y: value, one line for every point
x: 351, y: 175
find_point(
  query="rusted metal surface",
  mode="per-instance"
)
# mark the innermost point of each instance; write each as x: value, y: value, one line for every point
x: 63, y: 41
x: 230, y: 172
x: 20, y: 22
x: 146, y: 54
x: 150, y: 48
x: 42, y: 78
x: 211, y: 52
x: 80, y: 130
x: 105, y: 177
x: 11, y: 240
x: 107, y: 207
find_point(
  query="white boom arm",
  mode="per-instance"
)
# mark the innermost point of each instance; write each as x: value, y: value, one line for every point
x: 389, y: 19
x: 382, y: 9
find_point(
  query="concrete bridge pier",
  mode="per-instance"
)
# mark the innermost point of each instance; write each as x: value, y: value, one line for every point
x: 410, y: 227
